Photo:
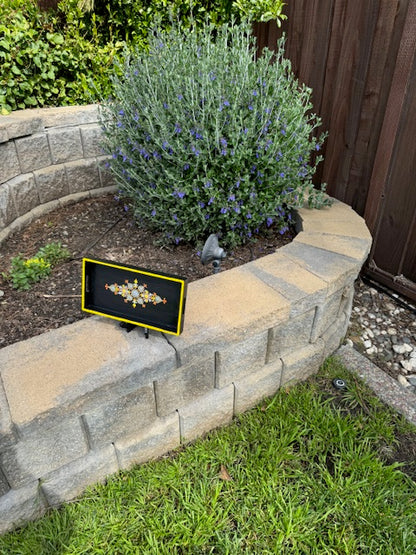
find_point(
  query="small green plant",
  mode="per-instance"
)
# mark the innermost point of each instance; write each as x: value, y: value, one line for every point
x: 24, y: 273
x: 205, y: 139
x: 261, y: 10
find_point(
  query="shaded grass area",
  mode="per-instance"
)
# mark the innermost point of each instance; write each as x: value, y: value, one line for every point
x: 303, y: 472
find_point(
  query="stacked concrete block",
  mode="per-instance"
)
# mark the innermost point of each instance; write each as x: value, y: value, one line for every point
x: 49, y: 155
x: 86, y: 400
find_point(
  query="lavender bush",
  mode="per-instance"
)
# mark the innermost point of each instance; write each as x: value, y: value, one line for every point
x: 202, y: 138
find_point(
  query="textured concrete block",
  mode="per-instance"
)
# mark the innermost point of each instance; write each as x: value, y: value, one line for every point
x: 107, y: 179
x: 299, y: 365
x: 24, y: 192
x: 184, y: 385
x: 9, y: 166
x: 327, y: 313
x: 251, y: 389
x: 212, y: 410
x: 65, y: 144
x: 52, y: 183
x: 339, y: 219
x: 225, y: 307
x: 240, y: 358
x: 71, y: 480
x: 69, y: 115
x: 19, y: 506
x: 302, y: 289
x: 159, y: 439
x: 33, y: 152
x: 333, y: 268
x: 91, y: 136
x: 76, y: 368
x: 42, y: 452
x: 293, y: 334
x: 6, y: 428
x: 82, y: 175
x: 8, y: 211
x: 334, y: 335
x: 356, y: 248
x: 4, y: 484
x: 21, y: 123
x: 122, y: 418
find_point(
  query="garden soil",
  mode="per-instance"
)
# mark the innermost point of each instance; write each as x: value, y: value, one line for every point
x: 95, y: 228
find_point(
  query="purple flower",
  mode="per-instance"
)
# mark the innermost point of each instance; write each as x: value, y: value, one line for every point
x: 282, y: 174
x: 223, y: 141
x: 224, y: 210
x: 207, y: 216
x: 250, y: 107
x: 211, y: 200
x: 179, y: 194
x: 166, y: 106
x: 318, y: 147
x: 226, y: 103
x: 231, y: 197
x: 201, y: 204
x: 249, y: 216
x: 153, y: 212
x: 177, y: 129
x: 186, y: 167
x: 255, y: 93
x: 269, y: 222
x: 125, y: 208
x: 180, y: 96
x: 208, y: 184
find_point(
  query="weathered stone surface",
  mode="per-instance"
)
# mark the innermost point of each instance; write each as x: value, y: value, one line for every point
x: 241, y: 358
x: 299, y: 365
x: 153, y: 442
x: 181, y: 386
x: 82, y: 175
x: 9, y: 166
x: 335, y: 269
x: 300, y: 287
x: 245, y: 306
x: 33, y: 152
x: 42, y: 452
x: 19, y: 506
x: 20, y: 124
x: 339, y: 219
x: 91, y: 136
x: 334, y: 335
x: 52, y: 183
x: 24, y: 192
x: 292, y: 335
x: 122, y: 418
x: 4, y: 485
x: 69, y: 115
x: 212, y: 410
x: 107, y: 179
x: 6, y: 429
x: 7, y: 208
x: 352, y: 247
x: 71, y: 480
x: 73, y: 369
x: 65, y: 144
x: 251, y: 389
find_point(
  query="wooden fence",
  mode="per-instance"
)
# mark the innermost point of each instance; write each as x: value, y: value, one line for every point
x: 359, y: 58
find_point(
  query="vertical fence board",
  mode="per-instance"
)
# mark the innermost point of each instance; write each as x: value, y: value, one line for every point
x: 357, y: 56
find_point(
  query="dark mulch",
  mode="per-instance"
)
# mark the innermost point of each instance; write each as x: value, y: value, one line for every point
x: 97, y: 228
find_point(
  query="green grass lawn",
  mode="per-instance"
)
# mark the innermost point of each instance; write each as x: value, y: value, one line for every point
x: 304, y: 472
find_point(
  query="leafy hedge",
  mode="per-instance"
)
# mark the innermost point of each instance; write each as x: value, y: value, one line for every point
x: 66, y: 56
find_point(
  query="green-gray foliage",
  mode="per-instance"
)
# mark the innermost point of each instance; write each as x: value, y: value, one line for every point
x: 205, y: 139
x: 298, y: 474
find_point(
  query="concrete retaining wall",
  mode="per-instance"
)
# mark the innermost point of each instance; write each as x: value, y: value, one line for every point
x: 83, y: 401
x: 48, y: 157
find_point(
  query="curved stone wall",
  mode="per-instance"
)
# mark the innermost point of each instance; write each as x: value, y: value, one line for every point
x: 86, y: 400
x: 48, y: 157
